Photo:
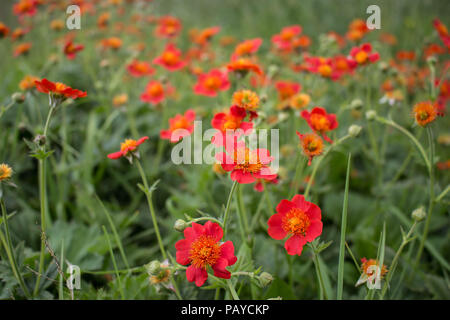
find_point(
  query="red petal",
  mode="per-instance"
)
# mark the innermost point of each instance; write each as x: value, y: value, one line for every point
x: 115, y: 155
x: 294, y: 245
x: 196, y: 274
x: 276, y: 230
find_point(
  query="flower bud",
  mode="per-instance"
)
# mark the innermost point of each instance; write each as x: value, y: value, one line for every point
x: 40, y: 140
x: 180, y: 225
x: 371, y: 115
x: 154, y: 267
x: 356, y: 104
x: 383, y: 66
x: 354, y: 130
x: 18, y: 97
x: 265, y: 279
x: 263, y: 98
x: 419, y: 214
x: 432, y: 60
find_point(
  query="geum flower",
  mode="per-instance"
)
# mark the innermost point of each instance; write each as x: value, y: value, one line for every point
x: 284, y: 40
x: 229, y: 123
x: 286, y: 89
x: 246, y: 165
x: 320, y: 121
x: 70, y: 49
x: 58, y: 90
x: 154, y: 92
x: 5, y: 172
x: 363, y: 54
x: 247, y: 47
x: 168, y: 27
x: 204, y: 36
x: 298, y: 219
x: 371, y: 273
x: 128, y: 149
x: 202, y: 248
x: 179, y: 126
x: 140, y: 68
x: 425, y: 112
x: 312, y: 145
x: 248, y: 100
x: 243, y: 66
x: 208, y: 84
x: 170, y: 59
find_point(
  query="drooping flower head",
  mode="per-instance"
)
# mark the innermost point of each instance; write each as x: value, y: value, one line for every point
x: 203, y: 37
x: 246, y: 165
x: 209, y: 84
x: 5, y: 172
x: 371, y: 272
x: 179, y: 126
x: 168, y: 27
x: 170, y: 59
x: 140, y: 68
x: 320, y: 121
x: 312, y: 145
x: 70, y: 49
x: 297, y: 219
x: 424, y: 113
x: 58, y: 91
x: 128, y: 149
x: 201, y: 248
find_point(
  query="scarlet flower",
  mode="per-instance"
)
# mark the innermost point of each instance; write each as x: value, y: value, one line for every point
x: 363, y: 54
x: 247, y: 47
x: 140, y: 68
x: 22, y: 48
x: 17, y: 33
x: 202, y: 248
x: 259, y: 185
x: 204, y: 36
x: 4, y: 30
x: 208, y: 84
x: 312, y: 145
x: 424, y: 113
x: 168, y: 27
x: 179, y: 126
x: 25, y: 8
x: 58, y: 89
x: 442, y: 31
x: 231, y: 120
x: 246, y: 165
x: 320, y: 121
x: 244, y: 65
x: 128, y: 149
x: 154, y: 92
x: 113, y: 43
x: 246, y: 99
x: 170, y: 58
x: 357, y: 29
x: 369, y: 270
x: 283, y: 41
x: 433, y: 49
x: 286, y: 89
x: 70, y: 50
x: 298, y: 219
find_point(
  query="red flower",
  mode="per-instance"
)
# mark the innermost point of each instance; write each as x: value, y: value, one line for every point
x: 154, y: 92
x: 312, y: 145
x: 230, y: 122
x: 168, y: 27
x: 203, y: 37
x: 244, y: 65
x: 363, y: 54
x: 140, y: 68
x: 284, y: 40
x: 25, y: 8
x: 127, y: 148
x: 179, y: 126
x: 170, y: 58
x: 59, y: 89
x: 298, y: 219
x: 22, y: 48
x: 246, y: 165
x: 320, y: 121
x: 287, y: 89
x: 259, y: 185
x: 247, y: 47
x: 442, y: 31
x: 70, y: 50
x: 202, y: 248
x: 4, y: 30
x: 208, y: 84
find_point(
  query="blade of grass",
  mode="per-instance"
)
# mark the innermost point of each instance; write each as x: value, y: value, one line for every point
x: 343, y: 230
x: 114, y: 262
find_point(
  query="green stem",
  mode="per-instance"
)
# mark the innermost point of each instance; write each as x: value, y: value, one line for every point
x: 443, y: 193
x: 227, y: 208
x: 114, y: 263
x: 232, y: 290
x: 431, y: 201
x: 148, y: 194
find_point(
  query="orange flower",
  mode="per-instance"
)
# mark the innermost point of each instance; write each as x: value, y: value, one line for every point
x: 154, y: 92
x: 363, y: 54
x: 5, y: 172
x: 70, y: 50
x: 299, y: 101
x: 444, y: 165
x: 17, y: 33
x: 285, y: 39
x: 247, y: 47
x: 4, y: 30
x: 243, y: 66
x: 246, y: 99
x: 369, y: 270
x: 286, y: 89
x: 170, y: 59
x: 25, y: 8
x: 113, y: 43
x: 357, y: 29
x: 57, y: 25
x: 320, y: 121
x: 424, y: 113
x: 28, y: 82
x: 128, y: 149
x: 102, y: 21
x: 22, y: 48
x: 168, y: 27
x: 209, y: 84
x: 311, y: 144
x: 182, y: 123
x: 204, y: 36
x: 58, y: 89
x: 120, y: 99
x: 140, y: 68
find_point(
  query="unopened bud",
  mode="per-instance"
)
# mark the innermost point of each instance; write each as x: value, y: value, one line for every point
x: 154, y: 267
x: 419, y: 214
x: 265, y: 279
x: 180, y: 225
x: 383, y: 66
x: 40, y: 140
x: 356, y: 104
x: 371, y: 115
x: 354, y: 130
x: 18, y: 97
x: 432, y: 60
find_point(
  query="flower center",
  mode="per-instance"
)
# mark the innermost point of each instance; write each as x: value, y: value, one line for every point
x: 170, y: 58
x: 296, y: 222
x: 128, y: 145
x: 361, y: 57
x: 155, y: 90
x: 325, y: 70
x: 247, y: 161
x: 204, y: 251
x: 320, y: 122
x: 212, y: 83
